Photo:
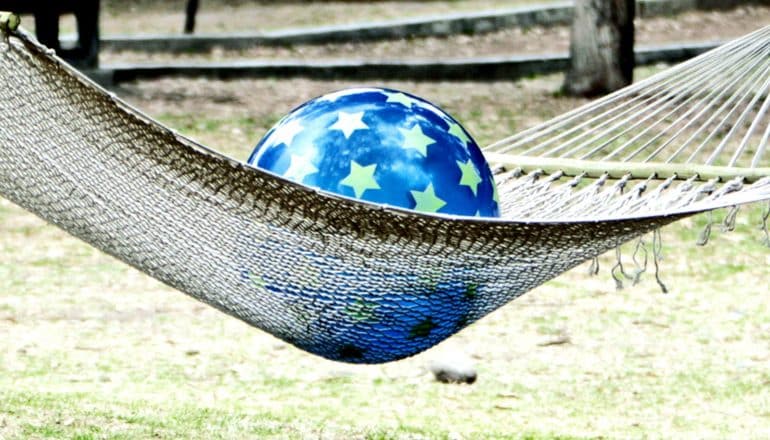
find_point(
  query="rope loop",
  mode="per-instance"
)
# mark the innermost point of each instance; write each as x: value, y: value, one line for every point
x: 9, y: 22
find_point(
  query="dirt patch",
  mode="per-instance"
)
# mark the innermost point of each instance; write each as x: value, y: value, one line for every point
x: 167, y: 17
x: 687, y: 27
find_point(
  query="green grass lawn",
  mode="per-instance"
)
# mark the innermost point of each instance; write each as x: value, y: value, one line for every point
x: 92, y: 349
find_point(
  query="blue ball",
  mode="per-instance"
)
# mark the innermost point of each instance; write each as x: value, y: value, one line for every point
x: 383, y: 146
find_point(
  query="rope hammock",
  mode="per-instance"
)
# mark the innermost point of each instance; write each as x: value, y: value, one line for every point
x: 357, y: 282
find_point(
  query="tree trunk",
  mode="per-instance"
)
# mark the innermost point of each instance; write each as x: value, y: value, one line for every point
x: 601, y: 47
x: 190, y: 12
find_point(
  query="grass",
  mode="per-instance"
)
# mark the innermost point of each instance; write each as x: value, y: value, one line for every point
x: 95, y: 350
x: 92, y: 349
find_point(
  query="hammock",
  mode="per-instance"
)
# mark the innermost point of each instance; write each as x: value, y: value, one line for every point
x: 357, y: 282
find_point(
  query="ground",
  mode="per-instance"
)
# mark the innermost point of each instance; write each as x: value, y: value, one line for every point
x: 90, y: 348
x: 250, y: 15
x: 168, y: 16
x: 695, y: 26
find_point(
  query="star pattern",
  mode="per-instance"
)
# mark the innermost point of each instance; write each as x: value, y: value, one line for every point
x: 256, y: 280
x: 300, y: 167
x: 373, y: 144
x: 415, y: 138
x: 332, y: 97
x: 408, y: 101
x: 285, y: 133
x: 361, y: 178
x: 471, y: 291
x: 470, y: 177
x: 432, y: 108
x: 427, y: 201
x: 309, y: 276
x: 422, y: 329
x: 429, y: 281
x: 362, y: 310
x: 401, y: 98
x: 458, y: 132
x: 347, y: 123
x: 388, y: 161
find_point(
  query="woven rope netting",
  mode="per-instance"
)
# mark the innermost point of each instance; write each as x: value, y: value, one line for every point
x: 698, y: 130
x: 359, y: 282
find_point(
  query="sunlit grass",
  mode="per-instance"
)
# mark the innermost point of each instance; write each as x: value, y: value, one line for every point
x: 93, y: 349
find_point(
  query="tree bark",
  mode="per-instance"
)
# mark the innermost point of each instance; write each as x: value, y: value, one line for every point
x: 601, y: 47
